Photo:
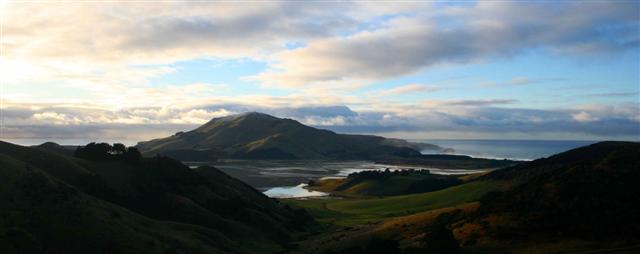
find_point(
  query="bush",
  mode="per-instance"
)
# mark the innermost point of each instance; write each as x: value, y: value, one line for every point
x: 103, y: 152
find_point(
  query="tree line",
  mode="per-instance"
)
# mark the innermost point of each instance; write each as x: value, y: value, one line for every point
x: 104, y: 152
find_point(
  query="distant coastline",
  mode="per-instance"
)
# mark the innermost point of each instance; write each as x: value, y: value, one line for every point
x: 523, y: 150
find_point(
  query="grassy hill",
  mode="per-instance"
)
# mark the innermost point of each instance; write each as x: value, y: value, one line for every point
x: 591, y: 192
x: 384, y: 183
x: 581, y: 201
x: 40, y: 214
x: 354, y: 211
x: 260, y: 136
x: 54, y: 203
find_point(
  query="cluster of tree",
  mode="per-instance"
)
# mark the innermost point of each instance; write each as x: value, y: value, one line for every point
x: 104, y: 151
x: 382, y: 174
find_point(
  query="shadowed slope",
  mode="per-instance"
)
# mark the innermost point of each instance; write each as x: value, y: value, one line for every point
x: 203, y: 210
x: 591, y: 191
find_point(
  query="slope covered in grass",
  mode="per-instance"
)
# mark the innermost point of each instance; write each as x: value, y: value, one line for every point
x: 581, y: 201
x: 361, y: 210
x: 69, y: 205
x: 385, y: 183
x: 591, y: 191
x: 261, y: 136
x: 40, y: 214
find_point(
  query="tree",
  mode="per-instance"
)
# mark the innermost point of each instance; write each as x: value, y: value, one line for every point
x: 94, y: 151
x: 119, y: 148
x: 103, y: 151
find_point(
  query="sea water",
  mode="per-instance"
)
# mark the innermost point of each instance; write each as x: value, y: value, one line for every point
x: 507, y: 149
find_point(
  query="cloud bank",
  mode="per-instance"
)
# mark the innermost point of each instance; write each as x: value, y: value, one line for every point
x: 588, y: 121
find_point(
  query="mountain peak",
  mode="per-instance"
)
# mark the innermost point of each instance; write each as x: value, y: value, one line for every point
x: 254, y: 114
x: 256, y: 135
x: 235, y: 118
x: 245, y: 115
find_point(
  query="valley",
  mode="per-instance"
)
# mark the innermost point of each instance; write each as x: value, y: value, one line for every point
x: 391, y: 199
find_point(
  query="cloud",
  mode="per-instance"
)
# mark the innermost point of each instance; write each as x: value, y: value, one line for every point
x: 614, y: 94
x: 584, y: 117
x: 164, y: 32
x: 109, y: 54
x: 344, y: 45
x: 410, y: 44
x: 521, y: 81
x: 118, y: 96
x: 53, y: 117
x: 198, y: 116
x: 87, y: 70
x: 595, y: 120
x: 410, y: 88
x: 470, y: 103
x: 347, y: 41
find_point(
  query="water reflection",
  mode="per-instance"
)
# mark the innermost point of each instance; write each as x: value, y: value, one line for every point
x: 297, y: 191
x: 266, y: 175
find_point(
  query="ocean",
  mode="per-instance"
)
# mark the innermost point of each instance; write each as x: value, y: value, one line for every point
x: 506, y: 149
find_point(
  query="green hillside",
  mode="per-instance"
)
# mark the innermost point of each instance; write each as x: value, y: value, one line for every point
x: 62, y: 204
x: 581, y: 201
x: 591, y: 192
x: 260, y: 136
x: 384, y: 183
x: 361, y: 210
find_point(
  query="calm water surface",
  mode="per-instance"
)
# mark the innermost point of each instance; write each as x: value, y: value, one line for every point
x: 297, y: 191
x: 508, y: 149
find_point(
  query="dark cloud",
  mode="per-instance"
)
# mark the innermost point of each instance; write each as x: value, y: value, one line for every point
x: 256, y: 26
x: 129, y: 133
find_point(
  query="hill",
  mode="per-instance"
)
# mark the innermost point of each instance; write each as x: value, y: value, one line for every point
x: 261, y: 136
x: 591, y: 192
x: 581, y: 201
x: 384, y: 183
x: 56, y: 148
x: 121, y: 203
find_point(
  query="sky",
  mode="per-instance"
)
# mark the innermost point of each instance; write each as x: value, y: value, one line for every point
x: 133, y: 71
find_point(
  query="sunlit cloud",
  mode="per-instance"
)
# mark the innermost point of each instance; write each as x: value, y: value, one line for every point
x: 489, y: 29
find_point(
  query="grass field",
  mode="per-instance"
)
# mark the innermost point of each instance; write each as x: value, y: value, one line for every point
x: 347, y: 212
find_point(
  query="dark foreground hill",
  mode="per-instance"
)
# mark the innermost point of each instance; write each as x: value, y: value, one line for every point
x: 592, y: 192
x: 585, y: 200
x: 122, y: 203
x: 261, y: 136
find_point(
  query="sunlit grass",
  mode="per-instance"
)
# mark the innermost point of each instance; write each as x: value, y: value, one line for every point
x: 348, y: 212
